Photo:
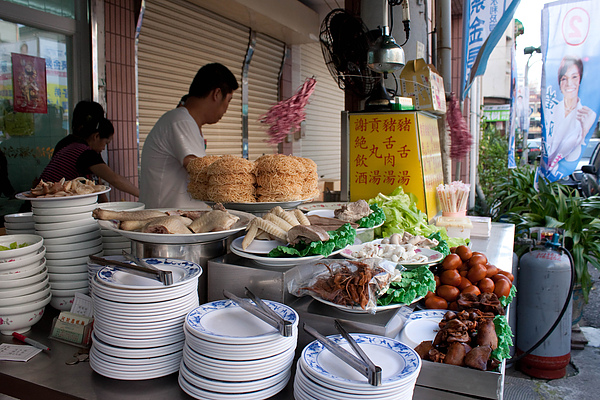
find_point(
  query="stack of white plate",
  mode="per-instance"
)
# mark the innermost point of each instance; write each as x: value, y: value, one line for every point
x: 70, y: 235
x: 113, y: 242
x: 24, y: 287
x: 322, y: 375
x: 138, y: 322
x: 231, y: 354
x: 19, y: 224
x: 93, y: 268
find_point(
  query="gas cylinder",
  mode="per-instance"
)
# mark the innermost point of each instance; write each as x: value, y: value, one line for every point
x: 544, y: 284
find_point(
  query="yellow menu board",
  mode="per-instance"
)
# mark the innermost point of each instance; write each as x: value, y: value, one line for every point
x: 392, y: 149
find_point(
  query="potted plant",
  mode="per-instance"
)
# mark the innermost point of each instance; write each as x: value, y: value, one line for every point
x: 553, y: 205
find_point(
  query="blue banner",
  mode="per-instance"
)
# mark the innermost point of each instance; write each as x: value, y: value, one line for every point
x: 570, y: 100
x: 484, y: 24
x: 512, y: 122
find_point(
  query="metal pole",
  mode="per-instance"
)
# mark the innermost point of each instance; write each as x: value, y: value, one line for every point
x: 525, y: 153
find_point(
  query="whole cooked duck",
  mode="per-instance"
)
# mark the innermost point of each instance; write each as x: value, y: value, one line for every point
x: 171, y: 224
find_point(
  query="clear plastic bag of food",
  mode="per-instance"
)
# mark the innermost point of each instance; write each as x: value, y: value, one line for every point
x: 346, y: 283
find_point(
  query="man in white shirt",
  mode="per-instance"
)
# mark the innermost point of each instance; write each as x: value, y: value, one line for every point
x: 176, y: 139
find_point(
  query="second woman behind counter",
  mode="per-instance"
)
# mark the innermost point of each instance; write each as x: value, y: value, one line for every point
x: 78, y: 154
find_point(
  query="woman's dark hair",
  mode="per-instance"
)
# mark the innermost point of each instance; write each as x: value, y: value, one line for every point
x: 567, y: 62
x: 210, y: 77
x: 105, y: 128
x: 87, y: 116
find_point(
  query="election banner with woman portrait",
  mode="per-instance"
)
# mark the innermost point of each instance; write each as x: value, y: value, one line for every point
x: 570, y: 84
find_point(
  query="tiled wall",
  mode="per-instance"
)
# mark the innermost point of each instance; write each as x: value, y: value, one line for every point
x: 120, y: 23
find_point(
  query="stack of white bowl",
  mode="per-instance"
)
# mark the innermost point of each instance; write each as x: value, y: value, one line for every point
x: 322, y: 375
x: 113, y: 242
x: 19, y: 224
x: 24, y: 286
x: 70, y: 235
x: 138, y: 321
x: 231, y: 354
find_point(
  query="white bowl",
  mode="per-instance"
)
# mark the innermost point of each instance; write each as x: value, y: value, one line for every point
x: 23, y: 272
x: 66, y: 277
x: 19, y: 217
x: 63, y: 210
x: 68, y: 262
x: 19, y: 226
x: 67, y: 269
x: 62, y: 303
x: 116, y: 246
x: 34, y: 242
x: 67, y: 232
x: 122, y: 206
x: 23, y: 262
x: 84, y: 237
x: 72, y: 247
x: 18, y: 292
x: 60, y: 255
x: 40, y: 276
x: 44, y: 219
x: 51, y: 226
x: 64, y: 202
x: 21, y: 231
x: 65, y: 285
x: 28, y: 298
x: 21, y: 318
x: 69, y: 292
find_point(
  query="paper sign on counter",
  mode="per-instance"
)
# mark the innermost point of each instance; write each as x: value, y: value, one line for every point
x: 16, y: 352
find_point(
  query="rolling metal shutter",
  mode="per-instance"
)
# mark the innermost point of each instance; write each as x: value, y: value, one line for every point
x: 263, y: 79
x: 322, y: 140
x: 175, y: 40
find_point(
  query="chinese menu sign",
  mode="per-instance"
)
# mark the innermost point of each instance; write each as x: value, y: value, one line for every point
x: 29, y: 84
x: 395, y: 149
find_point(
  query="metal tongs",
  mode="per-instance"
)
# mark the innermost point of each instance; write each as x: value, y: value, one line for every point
x: 140, y: 268
x: 262, y: 311
x: 364, y: 365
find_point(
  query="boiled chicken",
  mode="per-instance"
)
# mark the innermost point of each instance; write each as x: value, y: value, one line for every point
x: 139, y: 215
x: 213, y: 221
x: 173, y: 224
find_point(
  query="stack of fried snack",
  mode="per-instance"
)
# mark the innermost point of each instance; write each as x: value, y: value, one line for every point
x: 231, y: 180
x: 279, y: 178
x: 310, y: 182
x: 198, y: 178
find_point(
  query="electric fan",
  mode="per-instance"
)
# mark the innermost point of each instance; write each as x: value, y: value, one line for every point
x: 345, y: 42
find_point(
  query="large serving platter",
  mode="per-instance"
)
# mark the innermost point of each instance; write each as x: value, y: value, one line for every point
x: 62, y: 201
x: 191, y: 238
x: 260, y: 207
x: 359, y: 310
x: 307, y: 207
x: 433, y: 256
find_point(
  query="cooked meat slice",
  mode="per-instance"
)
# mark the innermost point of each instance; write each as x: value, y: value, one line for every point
x: 478, y: 357
x: 352, y: 212
x: 307, y: 234
x: 219, y: 206
x: 486, y: 334
x: 173, y: 224
x: 328, y: 222
x: 456, y: 354
x: 423, y: 349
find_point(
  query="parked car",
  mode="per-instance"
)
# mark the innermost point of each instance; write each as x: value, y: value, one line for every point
x: 587, y: 174
x: 534, y: 150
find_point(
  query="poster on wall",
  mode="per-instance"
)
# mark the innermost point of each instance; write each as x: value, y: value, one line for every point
x: 570, y: 101
x: 29, y: 84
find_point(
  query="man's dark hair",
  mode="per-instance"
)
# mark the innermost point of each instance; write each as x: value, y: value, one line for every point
x: 210, y: 77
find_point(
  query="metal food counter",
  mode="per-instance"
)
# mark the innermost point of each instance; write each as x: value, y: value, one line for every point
x: 48, y: 376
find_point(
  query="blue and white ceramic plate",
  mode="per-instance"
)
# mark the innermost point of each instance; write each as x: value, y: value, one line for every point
x: 421, y: 326
x: 400, y: 364
x: 225, y: 320
x: 183, y: 272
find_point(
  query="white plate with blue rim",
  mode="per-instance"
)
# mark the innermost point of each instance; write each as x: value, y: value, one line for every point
x: 183, y: 272
x: 400, y: 364
x: 421, y: 326
x: 224, y: 321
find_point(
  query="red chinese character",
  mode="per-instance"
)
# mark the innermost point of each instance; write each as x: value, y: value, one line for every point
x: 389, y: 143
x: 375, y: 177
x: 403, y: 151
x: 390, y: 125
x: 373, y: 151
x: 404, y: 178
x: 360, y: 142
x: 361, y: 177
x: 360, y: 125
x: 375, y: 124
x: 389, y: 160
x: 404, y: 125
x: 389, y: 178
x: 360, y: 161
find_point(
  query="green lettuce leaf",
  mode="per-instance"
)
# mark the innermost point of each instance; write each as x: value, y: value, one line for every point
x: 377, y: 217
x: 505, y: 336
x: 414, y: 283
x: 338, y: 239
x: 506, y: 300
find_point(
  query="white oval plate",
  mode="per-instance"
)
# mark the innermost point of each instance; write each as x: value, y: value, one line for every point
x: 65, y: 201
x: 68, y: 232
x: 420, y: 326
x: 307, y: 207
x: 182, y: 271
x: 257, y: 246
x: 122, y: 206
x: 225, y: 321
x: 359, y: 310
x: 74, y: 247
x: 67, y: 269
x: 19, y: 217
x: 260, y: 207
x: 84, y: 237
x: 52, y: 226
x: 64, y: 210
x: 278, y: 261
x: 191, y: 238
x: 62, y: 255
x: 69, y: 292
x: 67, y: 277
x: 66, y: 285
x: 45, y: 219
x: 432, y: 255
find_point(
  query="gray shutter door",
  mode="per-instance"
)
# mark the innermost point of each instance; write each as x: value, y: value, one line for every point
x: 322, y: 140
x: 175, y: 40
x: 263, y: 83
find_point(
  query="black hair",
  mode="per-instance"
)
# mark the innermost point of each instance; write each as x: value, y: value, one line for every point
x: 567, y: 62
x: 87, y: 117
x: 210, y: 77
x: 105, y: 128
